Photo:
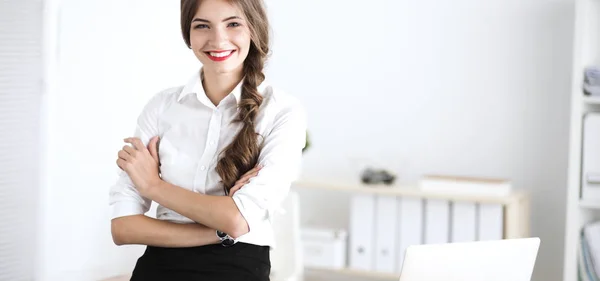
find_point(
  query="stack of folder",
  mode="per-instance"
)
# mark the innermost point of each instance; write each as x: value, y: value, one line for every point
x: 383, y: 226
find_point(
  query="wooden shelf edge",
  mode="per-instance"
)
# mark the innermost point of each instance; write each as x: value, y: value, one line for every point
x: 592, y: 100
x: 406, y: 190
x: 589, y: 204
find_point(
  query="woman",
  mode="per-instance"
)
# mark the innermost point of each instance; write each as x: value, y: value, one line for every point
x: 217, y: 155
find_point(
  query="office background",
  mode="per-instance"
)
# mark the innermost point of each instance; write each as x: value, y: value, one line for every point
x: 462, y: 87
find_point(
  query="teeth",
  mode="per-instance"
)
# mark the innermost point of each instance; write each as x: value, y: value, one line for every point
x: 220, y: 55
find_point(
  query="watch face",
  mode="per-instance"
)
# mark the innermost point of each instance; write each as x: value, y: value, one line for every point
x: 228, y: 242
x: 221, y: 234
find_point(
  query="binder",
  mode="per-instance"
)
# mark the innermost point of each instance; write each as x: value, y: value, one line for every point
x: 490, y: 222
x: 437, y: 215
x: 410, y: 226
x: 386, y: 221
x: 362, y: 226
x: 463, y: 222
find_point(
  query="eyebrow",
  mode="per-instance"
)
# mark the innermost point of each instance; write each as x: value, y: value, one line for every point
x: 229, y: 18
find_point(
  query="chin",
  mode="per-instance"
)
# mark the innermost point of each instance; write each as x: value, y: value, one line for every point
x: 221, y: 68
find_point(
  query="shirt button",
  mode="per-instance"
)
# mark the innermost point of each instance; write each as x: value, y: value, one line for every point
x: 212, y: 142
x: 203, y: 168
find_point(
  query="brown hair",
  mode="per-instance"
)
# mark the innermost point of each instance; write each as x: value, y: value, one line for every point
x: 242, y: 154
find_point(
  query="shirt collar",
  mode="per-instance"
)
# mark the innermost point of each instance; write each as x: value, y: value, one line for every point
x: 194, y: 86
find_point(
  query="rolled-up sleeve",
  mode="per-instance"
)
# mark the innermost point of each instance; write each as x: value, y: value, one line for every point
x: 124, y: 199
x: 281, y: 157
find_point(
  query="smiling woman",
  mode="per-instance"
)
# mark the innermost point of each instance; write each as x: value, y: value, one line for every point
x: 218, y: 155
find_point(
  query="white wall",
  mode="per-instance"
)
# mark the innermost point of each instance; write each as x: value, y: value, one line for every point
x: 467, y: 87
x: 110, y: 57
x: 20, y: 116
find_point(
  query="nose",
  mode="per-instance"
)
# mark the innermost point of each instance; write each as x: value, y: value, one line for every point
x: 219, y: 37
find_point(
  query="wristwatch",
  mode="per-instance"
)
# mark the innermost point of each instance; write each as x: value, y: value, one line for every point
x: 226, y: 240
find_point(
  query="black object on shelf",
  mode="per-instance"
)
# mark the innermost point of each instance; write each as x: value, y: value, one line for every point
x: 373, y: 176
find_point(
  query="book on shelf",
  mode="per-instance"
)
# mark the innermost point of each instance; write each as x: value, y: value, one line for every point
x: 591, y: 81
x: 464, y: 185
x: 589, y: 252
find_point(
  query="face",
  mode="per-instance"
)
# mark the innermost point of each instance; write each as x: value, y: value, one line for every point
x: 219, y: 36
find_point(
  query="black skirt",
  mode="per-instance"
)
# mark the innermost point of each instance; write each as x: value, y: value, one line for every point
x: 241, y: 261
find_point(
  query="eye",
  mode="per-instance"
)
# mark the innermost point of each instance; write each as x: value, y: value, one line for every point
x: 233, y: 24
x: 201, y: 26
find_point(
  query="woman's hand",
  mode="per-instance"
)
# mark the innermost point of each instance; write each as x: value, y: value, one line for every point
x: 141, y: 164
x: 245, y: 179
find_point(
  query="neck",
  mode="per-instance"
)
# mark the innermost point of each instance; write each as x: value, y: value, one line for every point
x: 218, y: 85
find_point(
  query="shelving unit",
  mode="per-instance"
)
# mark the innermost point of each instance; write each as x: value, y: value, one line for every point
x: 515, y: 205
x: 586, y: 52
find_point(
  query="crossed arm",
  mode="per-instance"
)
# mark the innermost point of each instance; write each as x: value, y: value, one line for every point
x: 144, y: 230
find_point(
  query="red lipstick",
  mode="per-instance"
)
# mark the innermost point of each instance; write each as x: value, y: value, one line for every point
x: 214, y: 58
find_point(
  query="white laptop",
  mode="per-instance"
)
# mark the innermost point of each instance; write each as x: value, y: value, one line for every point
x: 499, y: 260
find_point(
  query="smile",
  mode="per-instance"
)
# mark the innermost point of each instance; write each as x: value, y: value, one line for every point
x: 219, y: 55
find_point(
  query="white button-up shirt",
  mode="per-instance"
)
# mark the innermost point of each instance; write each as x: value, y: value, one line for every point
x: 193, y: 132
